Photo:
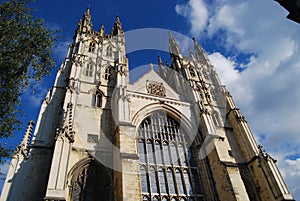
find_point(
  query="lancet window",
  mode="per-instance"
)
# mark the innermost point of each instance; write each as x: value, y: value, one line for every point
x: 97, y: 99
x: 107, y: 73
x: 213, y: 94
x: 89, y: 70
x: 167, y: 170
x: 92, y: 47
x: 205, y: 74
x: 216, y: 119
x: 192, y: 72
x: 109, y: 51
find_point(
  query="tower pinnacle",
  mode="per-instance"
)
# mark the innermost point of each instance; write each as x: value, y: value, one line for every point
x: 117, y: 28
x: 199, y: 52
x: 85, y: 23
x: 161, y: 69
x: 23, y: 147
x: 173, y: 46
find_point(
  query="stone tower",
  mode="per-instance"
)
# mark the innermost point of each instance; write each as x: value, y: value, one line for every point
x: 174, y: 134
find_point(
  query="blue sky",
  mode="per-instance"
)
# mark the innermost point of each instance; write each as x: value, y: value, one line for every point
x: 254, y: 48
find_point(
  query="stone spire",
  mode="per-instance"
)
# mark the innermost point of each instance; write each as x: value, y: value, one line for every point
x: 160, y: 61
x: 173, y: 46
x: 23, y: 147
x: 85, y: 23
x: 102, y: 30
x: 117, y: 28
x: 161, y: 69
x: 192, y: 56
x: 200, y: 53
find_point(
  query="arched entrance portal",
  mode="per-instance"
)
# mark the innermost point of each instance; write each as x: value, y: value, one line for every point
x: 91, y: 182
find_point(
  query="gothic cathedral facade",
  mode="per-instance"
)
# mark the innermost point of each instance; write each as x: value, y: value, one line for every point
x: 175, y: 134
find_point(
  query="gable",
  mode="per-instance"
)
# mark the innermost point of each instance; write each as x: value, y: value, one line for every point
x: 152, y: 84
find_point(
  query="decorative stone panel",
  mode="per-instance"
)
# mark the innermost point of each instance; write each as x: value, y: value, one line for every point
x: 156, y: 88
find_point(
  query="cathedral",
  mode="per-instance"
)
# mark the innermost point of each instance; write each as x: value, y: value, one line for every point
x: 174, y: 134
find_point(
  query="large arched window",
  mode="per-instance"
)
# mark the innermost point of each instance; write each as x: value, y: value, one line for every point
x: 166, y: 168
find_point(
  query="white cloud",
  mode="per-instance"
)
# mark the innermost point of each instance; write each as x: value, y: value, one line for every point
x: 197, y: 14
x: 225, y: 67
x: 267, y: 90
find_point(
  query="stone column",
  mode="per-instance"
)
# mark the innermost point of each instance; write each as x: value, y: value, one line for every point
x: 127, y: 179
x: 58, y: 172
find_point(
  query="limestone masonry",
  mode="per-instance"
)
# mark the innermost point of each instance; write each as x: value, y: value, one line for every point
x: 174, y: 134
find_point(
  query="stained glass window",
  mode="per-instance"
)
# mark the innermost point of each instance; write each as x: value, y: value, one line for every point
x: 166, y: 153
x: 158, y: 153
x: 150, y: 152
x: 162, y: 181
x: 153, y: 180
x: 187, y: 181
x: 171, y: 182
x: 179, y: 181
x: 144, y: 179
x: 166, y: 163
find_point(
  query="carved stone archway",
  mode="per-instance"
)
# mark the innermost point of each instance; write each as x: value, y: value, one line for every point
x: 90, y: 181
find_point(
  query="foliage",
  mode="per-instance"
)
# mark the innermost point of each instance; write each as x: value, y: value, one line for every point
x: 25, y: 56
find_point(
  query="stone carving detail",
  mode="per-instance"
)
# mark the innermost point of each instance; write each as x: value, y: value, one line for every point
x: 265, y: 155
x: 23, y: 147
x: 239, y: 117
x: 156, y: 88
x: 121, y: 69
x: 69, y: 123
x: 67, y: 129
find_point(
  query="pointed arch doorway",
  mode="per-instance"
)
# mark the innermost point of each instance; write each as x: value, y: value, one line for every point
x: 91, y: 181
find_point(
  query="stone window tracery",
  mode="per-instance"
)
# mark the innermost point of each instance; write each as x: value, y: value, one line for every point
x: 109, y: 51
x: 167, y: 169
x: 107, y: 73
x: 216, y: 119
x: 205, y: 74
x: 97, y: 99
x: 212, y: 94
x: 92, y: 47
x: 192, y: 72
x: 89, y: 70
